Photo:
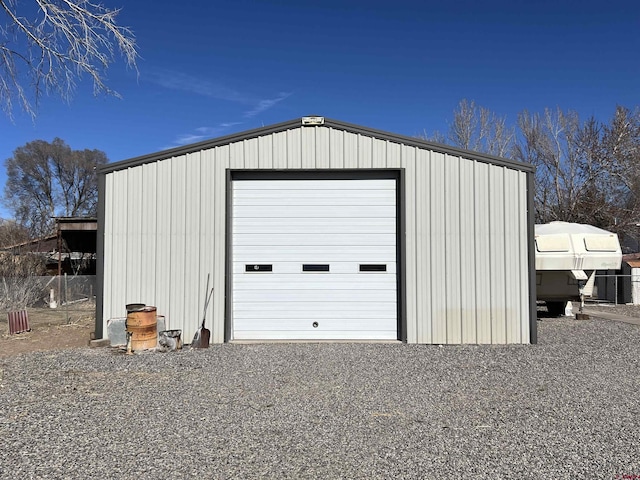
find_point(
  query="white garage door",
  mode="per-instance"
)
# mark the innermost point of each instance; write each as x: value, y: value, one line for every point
x: 314, y: 259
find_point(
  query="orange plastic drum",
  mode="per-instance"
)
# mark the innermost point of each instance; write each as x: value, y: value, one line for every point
x: 143, y: 326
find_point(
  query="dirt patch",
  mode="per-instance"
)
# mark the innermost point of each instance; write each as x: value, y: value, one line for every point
x: 57, y: 329
x: 51, y: 329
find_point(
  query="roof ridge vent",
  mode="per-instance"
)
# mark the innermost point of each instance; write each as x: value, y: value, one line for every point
x: 313, y: 120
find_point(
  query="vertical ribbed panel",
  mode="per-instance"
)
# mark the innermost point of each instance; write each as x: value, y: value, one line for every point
x: 18, y: 322
x: 523, y: 264
x: 379, y: 153
x: 482, y: 252
x: 465, y: 241
x: 280, y: 150
x: 408, y: 161
x: 467, y: 266
x: 206, y: 239
x: 178, y: 245
x: 164, y: 279
x: 452, y: 246
x: 219, y: 226
x: 437, y: 249
x: 294, y: 149
x: 393, y: 156
x: 350, y: 150
x: 121, y: 255
x: 265, y: 151
x: 107, y: 288
x: 336, y: 148
x: 236, y: 155
x: 364, y: 152
x: 133, y: 236
x: 497, y: 260
x: 193, y: 274
x: 250, y: 153
x: 308, y: 148
x: 148, y: 229
x: 423, y: 247
x: 511, y: 250
x: 322, y: 148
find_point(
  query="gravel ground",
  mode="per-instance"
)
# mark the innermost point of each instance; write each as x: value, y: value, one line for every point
x: 566, y: 408
x: 628, y: 310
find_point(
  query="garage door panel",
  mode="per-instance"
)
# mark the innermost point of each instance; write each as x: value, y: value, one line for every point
x: 313, y: 295
x: 364, y: 198
x: 323, y: 324
x: 324, y: 239
x: 317, y: 335
x: 313, y: 225
x: 297, y: 211
x: 337, y: 225
x: 316, y: 281
x: 315, y: 310
x: 337, y: 268
x: 281, y: 185
x: 253, y: 254
x: 325, y: 195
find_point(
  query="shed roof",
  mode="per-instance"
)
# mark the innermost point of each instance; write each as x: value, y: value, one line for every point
x: 328, y: 123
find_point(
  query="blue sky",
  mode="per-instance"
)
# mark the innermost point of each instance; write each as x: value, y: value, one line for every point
x: 211, y: 68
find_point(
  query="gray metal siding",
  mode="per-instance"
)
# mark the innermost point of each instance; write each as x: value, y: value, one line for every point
x: 466, y: 265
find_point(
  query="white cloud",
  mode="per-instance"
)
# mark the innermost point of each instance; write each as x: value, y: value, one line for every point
x: 187, y: 83
x: 199, y: 86
x: 202, y: 133
x: 188, y: 138
x: 266, y: 104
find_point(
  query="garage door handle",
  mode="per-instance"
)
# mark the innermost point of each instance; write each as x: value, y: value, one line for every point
x: 314, y: 267
x: 258, y: 268
x: 373, y: 267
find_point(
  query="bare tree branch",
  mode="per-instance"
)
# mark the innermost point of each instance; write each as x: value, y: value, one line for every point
x: 50, y: 44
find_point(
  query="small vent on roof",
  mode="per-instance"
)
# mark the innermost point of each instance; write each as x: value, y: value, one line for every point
x: 312, y: 120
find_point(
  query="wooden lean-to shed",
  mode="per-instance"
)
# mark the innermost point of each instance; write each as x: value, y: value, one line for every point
x: 315, y: 229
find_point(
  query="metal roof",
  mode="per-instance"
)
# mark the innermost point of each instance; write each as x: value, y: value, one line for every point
x: 299, y: 122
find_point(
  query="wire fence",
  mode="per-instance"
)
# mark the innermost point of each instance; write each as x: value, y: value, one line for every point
x: 53, y: 291
x: 617, y: 288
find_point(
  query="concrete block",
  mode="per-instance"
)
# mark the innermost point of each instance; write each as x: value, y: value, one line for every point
x: 101, y: 342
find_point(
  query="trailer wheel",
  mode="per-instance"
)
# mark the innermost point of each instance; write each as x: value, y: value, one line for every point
x: 556, y: 309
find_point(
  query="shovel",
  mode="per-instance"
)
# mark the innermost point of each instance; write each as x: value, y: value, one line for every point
x: 203, y: 335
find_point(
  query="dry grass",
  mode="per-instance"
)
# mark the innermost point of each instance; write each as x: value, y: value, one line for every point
x: 51, y: 329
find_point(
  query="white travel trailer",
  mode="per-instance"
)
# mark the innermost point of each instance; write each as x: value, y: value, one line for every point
x: 567, y: 257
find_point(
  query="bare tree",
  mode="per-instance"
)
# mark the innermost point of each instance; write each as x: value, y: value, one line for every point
x: 477, y: 128
x: 50, y: 44
x: 586, y: 172
x: 549, y: 142
x: 50, y: 179
x: 20, y: 286
x: 12, y: 233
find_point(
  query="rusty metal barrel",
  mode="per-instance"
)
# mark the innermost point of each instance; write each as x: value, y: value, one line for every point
x: 142, y: 323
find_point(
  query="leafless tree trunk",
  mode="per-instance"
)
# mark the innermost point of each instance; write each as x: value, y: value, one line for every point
x: 49, y: 44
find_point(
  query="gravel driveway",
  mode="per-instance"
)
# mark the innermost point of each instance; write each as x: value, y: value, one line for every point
x: 568, y: 407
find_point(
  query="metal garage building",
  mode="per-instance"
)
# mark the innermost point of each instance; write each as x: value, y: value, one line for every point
x: 315, y: 229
